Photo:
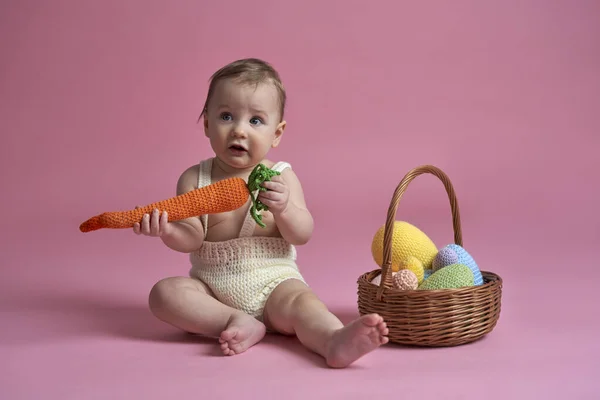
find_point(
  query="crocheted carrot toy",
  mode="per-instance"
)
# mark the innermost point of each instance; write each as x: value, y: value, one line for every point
x: 259, y: 174
x: 225, y: 195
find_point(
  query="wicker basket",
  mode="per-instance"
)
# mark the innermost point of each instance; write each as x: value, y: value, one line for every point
x: 432, y: 318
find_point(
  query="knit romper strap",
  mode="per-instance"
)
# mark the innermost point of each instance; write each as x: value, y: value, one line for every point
x: 204, y: 179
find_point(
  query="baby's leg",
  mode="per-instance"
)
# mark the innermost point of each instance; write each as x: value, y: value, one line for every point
x: 188, y: 304
x: 293, y: 308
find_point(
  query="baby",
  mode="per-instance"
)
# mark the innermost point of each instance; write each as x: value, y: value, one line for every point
x: 244, y: 280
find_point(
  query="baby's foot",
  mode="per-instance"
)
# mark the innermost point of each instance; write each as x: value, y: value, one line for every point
x: 356, y: 339
x: 242, y: 332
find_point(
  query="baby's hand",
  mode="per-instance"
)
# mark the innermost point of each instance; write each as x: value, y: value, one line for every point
x: 277, y: 195
x: 154, y: 224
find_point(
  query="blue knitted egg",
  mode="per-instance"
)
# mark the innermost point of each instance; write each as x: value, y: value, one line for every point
x: 427, y: 273
x: 443, y: 258
x: 465, y: 258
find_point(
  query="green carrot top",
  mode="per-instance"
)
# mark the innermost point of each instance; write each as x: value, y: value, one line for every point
x: 259, y: 174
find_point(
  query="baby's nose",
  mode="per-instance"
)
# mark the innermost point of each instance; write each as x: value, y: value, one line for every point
x: 239, y: 130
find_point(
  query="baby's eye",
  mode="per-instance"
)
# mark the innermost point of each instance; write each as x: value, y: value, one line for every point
x: 226, y: 116
x: 256, y: 121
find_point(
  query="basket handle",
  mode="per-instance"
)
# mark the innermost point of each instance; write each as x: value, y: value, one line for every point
x: 391, y: 217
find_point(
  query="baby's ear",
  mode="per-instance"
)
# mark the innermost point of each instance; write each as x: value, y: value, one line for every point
x: 278, y: 133
x: 205, y: 124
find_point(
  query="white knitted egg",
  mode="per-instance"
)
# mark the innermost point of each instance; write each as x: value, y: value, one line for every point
x: 377, y: 279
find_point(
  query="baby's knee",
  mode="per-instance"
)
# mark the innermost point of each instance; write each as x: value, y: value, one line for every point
x: 161, y: 292
x: 305, y: 298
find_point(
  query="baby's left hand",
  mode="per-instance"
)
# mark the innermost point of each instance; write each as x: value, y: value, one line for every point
x: 277, y: 195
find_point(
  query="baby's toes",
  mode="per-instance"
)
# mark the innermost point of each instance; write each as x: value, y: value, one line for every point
x: 383, y: 332
x: 225, y: 347
x: 382, y: 328
x: 372, y: 320
x: 236, y: 348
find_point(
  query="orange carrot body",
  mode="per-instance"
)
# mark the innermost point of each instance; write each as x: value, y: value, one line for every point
x: 224, y: 195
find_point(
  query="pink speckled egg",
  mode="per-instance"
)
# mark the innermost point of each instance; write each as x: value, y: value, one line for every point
x: 405, y: 279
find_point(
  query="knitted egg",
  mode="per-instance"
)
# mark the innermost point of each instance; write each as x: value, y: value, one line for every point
x: 427, y: 273
x: 450, y: 277
x: 405, y: 279
x: 413, y: 264
x: 462, y: 257
x: 377, y: 279
x: 407, y: 240
x: 443, y: 258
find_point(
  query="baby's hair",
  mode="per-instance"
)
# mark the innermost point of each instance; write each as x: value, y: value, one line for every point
x: 251, y: 71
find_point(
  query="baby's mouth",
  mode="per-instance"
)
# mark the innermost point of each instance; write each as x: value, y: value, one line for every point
x: 237, y: 148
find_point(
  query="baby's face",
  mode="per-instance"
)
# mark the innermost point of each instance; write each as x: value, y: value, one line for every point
x: 243, y: 122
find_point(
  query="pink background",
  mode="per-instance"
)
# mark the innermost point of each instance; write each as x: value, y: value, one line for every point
x: 98, y: 109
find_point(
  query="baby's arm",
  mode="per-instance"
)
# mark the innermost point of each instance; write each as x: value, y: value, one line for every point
x: 285, y: 199
x: 186, y: 235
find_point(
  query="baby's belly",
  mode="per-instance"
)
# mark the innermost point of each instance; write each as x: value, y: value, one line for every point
x: 226, y: 226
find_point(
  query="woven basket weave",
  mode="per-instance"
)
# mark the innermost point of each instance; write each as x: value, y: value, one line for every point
x: 431, y: 318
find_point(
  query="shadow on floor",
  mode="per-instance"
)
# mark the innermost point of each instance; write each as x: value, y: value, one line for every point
x: 64, y: 315
x: 59, y: 317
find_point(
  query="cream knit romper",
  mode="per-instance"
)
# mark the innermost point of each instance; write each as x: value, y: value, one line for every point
x: 242, y: 272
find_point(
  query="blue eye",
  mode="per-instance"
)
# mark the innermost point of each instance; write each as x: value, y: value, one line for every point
x: 226, y: 117
x: 255, y: 121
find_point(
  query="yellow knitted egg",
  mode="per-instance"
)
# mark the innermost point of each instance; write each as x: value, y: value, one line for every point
x: 413, y: 264
x: 407, y: 240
